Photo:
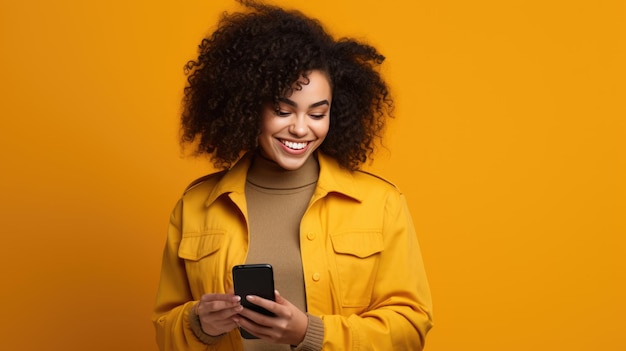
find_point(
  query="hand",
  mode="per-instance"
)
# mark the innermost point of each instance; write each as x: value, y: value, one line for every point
x: 216, y: 312
x: 288, y: 326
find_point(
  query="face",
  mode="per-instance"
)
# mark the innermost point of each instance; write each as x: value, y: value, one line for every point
x: 293, y: 130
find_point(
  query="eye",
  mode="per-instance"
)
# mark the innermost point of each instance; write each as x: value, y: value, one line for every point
x: 317, y: 115
x: 281, y: 113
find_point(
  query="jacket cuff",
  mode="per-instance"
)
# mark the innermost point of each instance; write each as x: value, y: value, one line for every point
x: 196, y: 327
x: 314, y: 337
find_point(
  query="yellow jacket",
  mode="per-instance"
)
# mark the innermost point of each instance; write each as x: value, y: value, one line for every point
x: 361, y: 259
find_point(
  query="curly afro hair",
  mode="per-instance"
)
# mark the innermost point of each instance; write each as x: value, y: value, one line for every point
x: 255, y: 57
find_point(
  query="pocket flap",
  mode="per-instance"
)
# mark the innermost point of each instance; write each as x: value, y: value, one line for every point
x: 360, y: 244
x: 194, y: 246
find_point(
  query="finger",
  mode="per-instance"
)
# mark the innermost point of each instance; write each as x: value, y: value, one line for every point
x: 220, y: 297
x: 217, y: 327
x: 215, y: 302
x: 261, y: 318
x: 251, y: 314
x: 223, y: 314
x: 251, y: 327
x: 265, y: 303
x: 279, y: 299
x: 219, y: 308
x: 208, y: 305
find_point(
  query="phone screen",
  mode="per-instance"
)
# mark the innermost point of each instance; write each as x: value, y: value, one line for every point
x: 254, y: 279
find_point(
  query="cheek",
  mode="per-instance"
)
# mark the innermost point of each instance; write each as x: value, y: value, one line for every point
x: 322, y: 128
x: 266, y: 123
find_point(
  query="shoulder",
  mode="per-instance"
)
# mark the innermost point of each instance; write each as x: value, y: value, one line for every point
x: 209, y: 180
x: 379, y: 192
x: 353, y: 183
x: 374, y: 188
x: 213, y: 185
x: 369, y: 178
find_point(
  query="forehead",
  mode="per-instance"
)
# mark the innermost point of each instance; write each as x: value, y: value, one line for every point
x: 314, y: 84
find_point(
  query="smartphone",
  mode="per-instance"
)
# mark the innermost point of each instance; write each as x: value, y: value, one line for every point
x: 254, y: 279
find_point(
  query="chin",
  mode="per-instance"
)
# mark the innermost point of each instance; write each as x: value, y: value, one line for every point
x: 293, y: 164
x: 290, y: 166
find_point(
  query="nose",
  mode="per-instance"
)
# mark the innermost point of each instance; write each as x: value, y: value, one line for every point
x: 299, y: 127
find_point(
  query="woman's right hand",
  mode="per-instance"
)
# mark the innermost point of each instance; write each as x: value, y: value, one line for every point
x: 216, y: 312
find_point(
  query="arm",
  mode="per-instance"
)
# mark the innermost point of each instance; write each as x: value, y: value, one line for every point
x: 174, y: 299
x: 398, y: 316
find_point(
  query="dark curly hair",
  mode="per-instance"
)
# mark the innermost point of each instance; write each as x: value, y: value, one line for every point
x: 255, y: 57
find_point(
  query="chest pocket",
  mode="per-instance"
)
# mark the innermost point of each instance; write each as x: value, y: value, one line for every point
x: 203, y: 258
x: 195, y: 246
x: 356, y: 264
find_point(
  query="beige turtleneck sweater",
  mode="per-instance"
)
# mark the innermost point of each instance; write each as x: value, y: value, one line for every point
x: 277, y: 200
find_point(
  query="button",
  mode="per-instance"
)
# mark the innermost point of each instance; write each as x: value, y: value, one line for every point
x: 310, y: 236
x: 316, y: 277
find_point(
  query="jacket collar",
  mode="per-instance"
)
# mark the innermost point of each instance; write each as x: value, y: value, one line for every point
x: 233, y: 181
x: 335, y: 179
x: 332, y: 179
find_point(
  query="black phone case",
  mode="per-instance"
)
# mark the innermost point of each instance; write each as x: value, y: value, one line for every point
x: 253, y: 279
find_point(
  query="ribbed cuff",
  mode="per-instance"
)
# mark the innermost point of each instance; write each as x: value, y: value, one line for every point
x: 314, y: 337
x: 196, y: 327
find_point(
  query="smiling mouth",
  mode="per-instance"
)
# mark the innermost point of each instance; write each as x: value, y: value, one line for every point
x: 294, y: 145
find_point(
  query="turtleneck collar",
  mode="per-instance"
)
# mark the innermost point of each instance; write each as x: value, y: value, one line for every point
x: 267, y: 174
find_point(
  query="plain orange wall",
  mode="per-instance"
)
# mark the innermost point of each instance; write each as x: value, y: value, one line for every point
x: 509, y: 142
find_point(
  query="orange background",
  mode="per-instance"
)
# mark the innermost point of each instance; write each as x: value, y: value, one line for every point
x: 509, y: 142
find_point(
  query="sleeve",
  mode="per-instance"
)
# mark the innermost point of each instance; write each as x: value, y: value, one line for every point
x: 399, y: 315
x: 314, y: 337
x: 174, y: 302
x: 196, y: 327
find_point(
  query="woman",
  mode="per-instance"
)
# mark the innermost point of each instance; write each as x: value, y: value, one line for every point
x: 289, y: 113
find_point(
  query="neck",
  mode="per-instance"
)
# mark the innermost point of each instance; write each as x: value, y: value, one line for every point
x: 268, y: 174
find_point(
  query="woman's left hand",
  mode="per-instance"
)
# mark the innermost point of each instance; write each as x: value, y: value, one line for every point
x: 288, y: 326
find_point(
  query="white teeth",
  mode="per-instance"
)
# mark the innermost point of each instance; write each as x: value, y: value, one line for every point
x: 294, y: 146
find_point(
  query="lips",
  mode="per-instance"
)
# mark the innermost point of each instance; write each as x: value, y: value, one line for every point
x: 294, y: 145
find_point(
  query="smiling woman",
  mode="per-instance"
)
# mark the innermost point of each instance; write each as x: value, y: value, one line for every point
x: 290, y: 113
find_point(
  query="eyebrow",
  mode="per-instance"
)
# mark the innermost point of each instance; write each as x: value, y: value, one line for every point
x: 293, y: 103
